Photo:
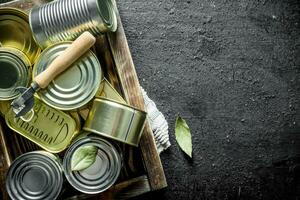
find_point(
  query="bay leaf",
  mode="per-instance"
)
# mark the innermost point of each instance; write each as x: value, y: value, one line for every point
x: 83, y: 158
x: 183, y: 136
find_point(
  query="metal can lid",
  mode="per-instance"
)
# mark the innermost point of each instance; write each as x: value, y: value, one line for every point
x: 107, y: 11
x: 73, y: 88
x: 12, y: 19
x: 99, y: 176
x: 14, y: 70
x: 49, y: 128
x: 35, y: 175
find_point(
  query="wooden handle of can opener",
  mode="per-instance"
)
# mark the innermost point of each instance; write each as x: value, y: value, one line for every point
x: 81, y: 45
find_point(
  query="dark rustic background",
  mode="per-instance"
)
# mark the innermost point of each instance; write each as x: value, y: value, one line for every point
x: 231, y: 68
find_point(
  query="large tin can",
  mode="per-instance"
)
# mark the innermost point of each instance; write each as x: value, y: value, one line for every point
x: 51, y: 129
x: 35, y: 175
x: 102, y: 174
x: 14, y: 72
x: 75, y: 87
x: 15, y: 32
x: 63, y: 20
x: 116, y: 121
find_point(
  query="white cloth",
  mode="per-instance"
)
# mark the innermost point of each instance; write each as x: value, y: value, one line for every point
x: 158, y: 124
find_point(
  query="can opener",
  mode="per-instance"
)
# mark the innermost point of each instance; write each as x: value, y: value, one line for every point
x: 24, y: 103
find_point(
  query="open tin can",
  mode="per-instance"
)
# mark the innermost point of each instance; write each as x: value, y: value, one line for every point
x: 64, y: 20
x: 51, y: 129
x: 35, y: 175
x: 116, y: 121
x: 15, y: 33
x: 75, y: 87
x: 14, y: 71
x: 102, y: 174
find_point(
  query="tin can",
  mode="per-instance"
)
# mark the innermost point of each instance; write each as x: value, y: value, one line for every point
x: 75, y: 87
x: 102, y: 174
x: 4, y: 107
x: 115, y: 120
x: 49, y: 128
x: 14, y: 71
x: 106, y: 90
x: 35, y: 175
x: 16, y: 33
x: 109, y: 92
x: 64, y: 20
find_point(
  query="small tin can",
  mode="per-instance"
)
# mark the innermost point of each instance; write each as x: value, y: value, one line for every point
x: 75, y: 87
x: 49, y: 128
x: 14, y: 72
x: 116, y: 121
x: 109, y: 92
x: 35, y: 175
x: 16, y: 33
x: 102, y: 174
x: 64, y: 20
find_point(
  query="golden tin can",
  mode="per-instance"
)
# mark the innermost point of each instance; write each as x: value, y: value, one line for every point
x: 4, y: 107
x: 75, y: 87
x: 14, y: 72
x: 15, y: 32
x: 49, y: 128
x: 116, y: 120
x: 109, y: 92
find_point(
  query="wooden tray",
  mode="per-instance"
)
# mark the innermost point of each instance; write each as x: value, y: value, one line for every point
x: 142, y: 171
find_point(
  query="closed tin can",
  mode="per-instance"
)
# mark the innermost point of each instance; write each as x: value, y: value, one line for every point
x: 35, y: 175
x: 64, y: 20
x: 16, y: 33
x: 76, y: 86
x: 14, y: 71
x: 49, y: 128
x: 102, y: 174
x: 116, y: 121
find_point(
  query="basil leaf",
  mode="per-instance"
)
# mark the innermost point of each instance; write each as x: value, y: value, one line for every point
x: 183, y: 136
x: 83, y: 158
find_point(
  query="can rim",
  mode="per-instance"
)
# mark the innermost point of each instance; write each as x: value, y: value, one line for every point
x: 26, y: 64
x: 20, y: 13
x: 86, y: 141
x: 113, y: 14
x: 104, y: 99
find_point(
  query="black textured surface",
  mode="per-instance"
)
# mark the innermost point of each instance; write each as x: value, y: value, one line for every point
x: 231, y: 69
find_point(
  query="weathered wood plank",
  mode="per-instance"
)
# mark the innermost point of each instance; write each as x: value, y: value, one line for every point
x: 5, y: 161
x: 25, y: 5
x: 132, y: 94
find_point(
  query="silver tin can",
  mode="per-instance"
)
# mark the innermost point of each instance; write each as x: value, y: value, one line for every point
x: 14, y: 72
x: 63, y: 20
x: 102, y: 174
x: 73, y: 88
x: 35, y: 175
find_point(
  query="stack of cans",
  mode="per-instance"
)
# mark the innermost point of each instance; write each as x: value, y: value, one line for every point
x: 28, y: 45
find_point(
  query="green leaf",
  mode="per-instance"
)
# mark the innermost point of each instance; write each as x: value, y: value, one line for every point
x: 83, y: 157
x: 183, y: 136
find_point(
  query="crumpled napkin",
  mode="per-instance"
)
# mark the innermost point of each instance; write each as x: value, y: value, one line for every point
x: 158, y: 124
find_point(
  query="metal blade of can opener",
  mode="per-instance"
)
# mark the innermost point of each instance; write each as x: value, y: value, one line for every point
x: 25, y: 102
